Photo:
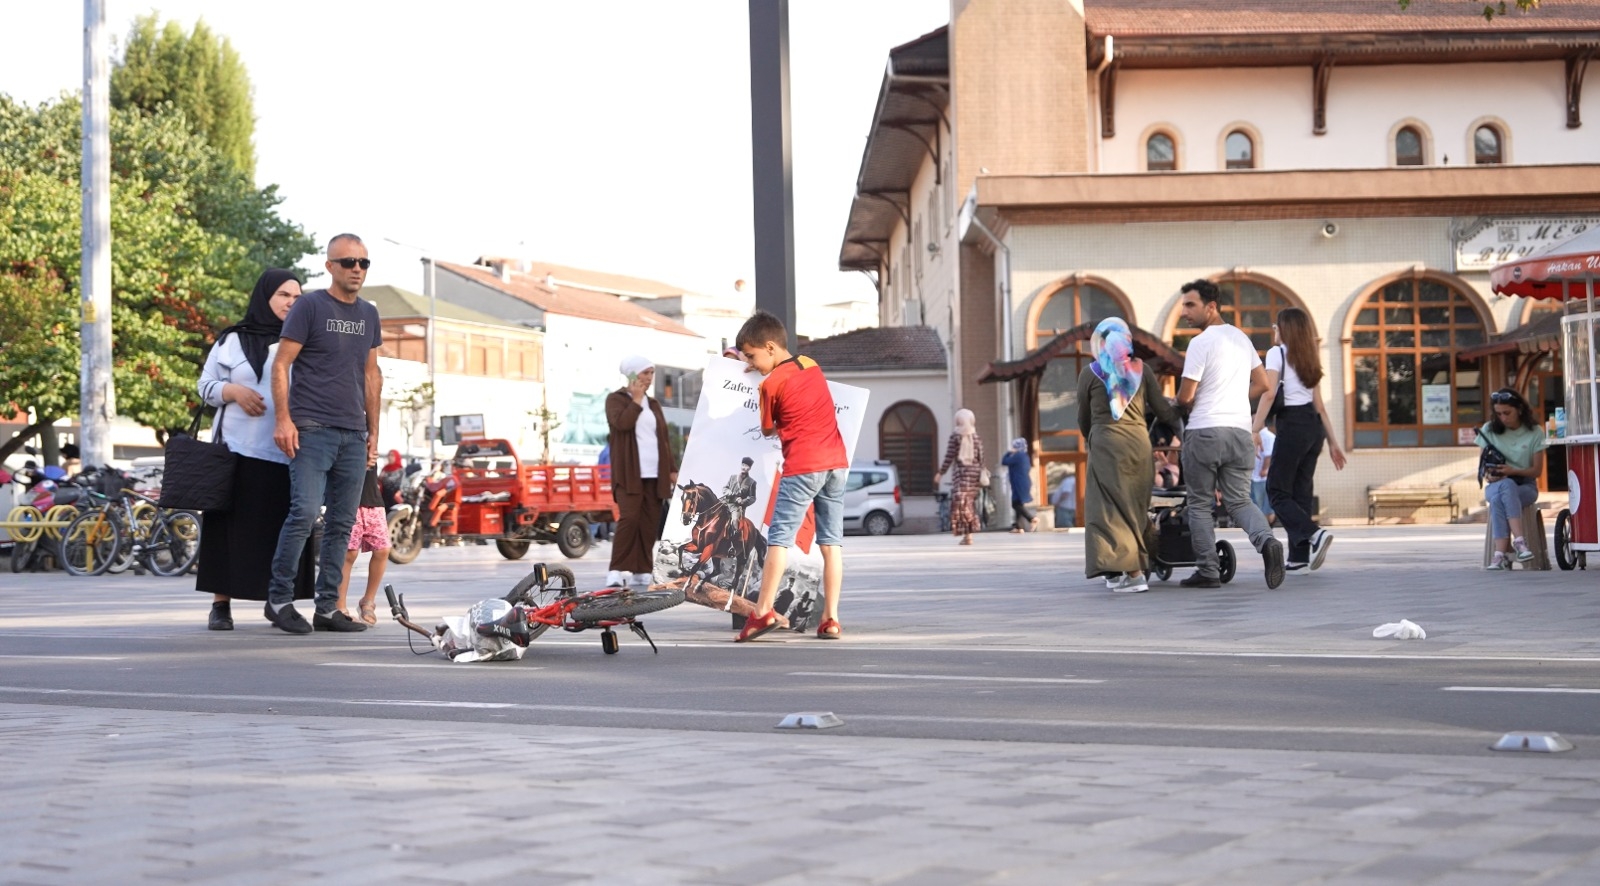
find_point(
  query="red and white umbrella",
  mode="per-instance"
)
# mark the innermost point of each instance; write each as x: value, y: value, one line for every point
x: 1563, y: 270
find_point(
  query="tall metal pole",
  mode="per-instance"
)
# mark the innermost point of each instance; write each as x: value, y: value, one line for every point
x: 433, y: 400
x: 97, y: 400
x: 771, y: 166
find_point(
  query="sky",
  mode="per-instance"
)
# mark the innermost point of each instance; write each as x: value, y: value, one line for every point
x: 604, y: 134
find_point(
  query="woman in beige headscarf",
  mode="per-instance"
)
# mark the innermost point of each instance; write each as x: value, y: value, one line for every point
x: 965, y: 452
x: 642, y: 472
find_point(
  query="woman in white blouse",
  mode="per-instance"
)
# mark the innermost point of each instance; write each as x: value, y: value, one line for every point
x: 236, y: 546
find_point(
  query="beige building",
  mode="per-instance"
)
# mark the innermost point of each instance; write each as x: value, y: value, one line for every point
x: 1039, y: 165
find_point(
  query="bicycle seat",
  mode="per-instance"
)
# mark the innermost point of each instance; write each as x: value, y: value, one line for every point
x: 513, y: 627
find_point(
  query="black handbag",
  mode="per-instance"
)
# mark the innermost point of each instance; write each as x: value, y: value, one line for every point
x: 1277, y: 398
x: 198, y: 476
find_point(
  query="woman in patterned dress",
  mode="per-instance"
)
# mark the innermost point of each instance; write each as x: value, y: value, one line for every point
x: 965, y: 452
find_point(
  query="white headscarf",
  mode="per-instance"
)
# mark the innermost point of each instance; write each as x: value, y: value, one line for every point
x: 967, y: 430
x: 635, y: 364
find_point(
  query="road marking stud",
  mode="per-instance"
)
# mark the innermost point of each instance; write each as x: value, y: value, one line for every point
x: 1537, y: 742
x: 811, y: 720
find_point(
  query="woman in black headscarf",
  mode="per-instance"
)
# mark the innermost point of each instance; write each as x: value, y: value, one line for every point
x: 236, y: 546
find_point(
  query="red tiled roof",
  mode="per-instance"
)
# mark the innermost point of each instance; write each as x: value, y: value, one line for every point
x: 618, y: 284
x: 1194, y: 17
x: 568, y: 301
x: 878, y: 348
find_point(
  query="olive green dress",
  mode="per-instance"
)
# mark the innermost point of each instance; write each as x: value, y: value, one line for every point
x: 1121, y: 473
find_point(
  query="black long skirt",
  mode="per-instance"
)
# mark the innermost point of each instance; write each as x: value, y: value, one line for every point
x: 236, y: 546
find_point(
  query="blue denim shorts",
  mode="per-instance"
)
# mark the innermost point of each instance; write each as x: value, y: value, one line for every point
x: 826, y: 490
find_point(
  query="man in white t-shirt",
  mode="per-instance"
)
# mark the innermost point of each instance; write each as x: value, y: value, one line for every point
x: 1221, y: 374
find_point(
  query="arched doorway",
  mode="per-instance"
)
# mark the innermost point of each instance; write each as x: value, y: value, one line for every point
x: 1078, y: 299
x: 908, y: 436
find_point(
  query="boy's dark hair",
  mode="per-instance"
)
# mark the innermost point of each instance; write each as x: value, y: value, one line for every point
x: 1209, y: 292
x: 761, y: 328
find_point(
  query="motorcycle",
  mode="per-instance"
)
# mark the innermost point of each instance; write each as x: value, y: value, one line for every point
x: 408, y: 517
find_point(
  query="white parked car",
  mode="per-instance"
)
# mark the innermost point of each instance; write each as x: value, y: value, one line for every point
x: 872, y: 499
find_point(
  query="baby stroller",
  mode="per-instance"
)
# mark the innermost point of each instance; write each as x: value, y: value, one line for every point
x: 1171, y: 544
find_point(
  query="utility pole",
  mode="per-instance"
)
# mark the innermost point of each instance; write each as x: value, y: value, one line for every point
x: 97, y: 400
x: 771, y: 160
x: 433, y: 320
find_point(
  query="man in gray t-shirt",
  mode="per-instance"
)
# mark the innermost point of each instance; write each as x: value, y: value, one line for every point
x: 327, y: 423
x: 1221, y: 374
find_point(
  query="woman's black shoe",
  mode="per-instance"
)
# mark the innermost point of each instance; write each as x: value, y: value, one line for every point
x: 221, y: 617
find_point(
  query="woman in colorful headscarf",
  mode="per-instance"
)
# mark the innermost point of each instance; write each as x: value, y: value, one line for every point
x: 642, y: 472
x: 1115, y: 393
x: 965, y: 454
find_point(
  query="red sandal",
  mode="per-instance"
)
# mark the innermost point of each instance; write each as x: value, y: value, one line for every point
x: 756, y: 626
x: 829, y: 629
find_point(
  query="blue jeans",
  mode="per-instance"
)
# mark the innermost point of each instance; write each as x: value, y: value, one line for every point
x: 1507, y: 498
x: 824, y: 489
x: 328, y: 470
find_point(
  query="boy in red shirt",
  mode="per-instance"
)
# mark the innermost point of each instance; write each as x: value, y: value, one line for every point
x: 797, y: 406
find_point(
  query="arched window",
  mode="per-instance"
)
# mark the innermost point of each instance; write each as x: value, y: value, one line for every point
x: 1072, y: 305
x: 1410, y: 388
x: 1160, y: 154
x: 908, y: 436
x: 1240, y: 150
x: 1408, y: 147
x: 1486, y: 150
x: 1253, y: 307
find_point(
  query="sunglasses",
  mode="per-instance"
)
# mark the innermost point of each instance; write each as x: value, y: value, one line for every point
x: 348, y: 263
x: 1503, y: 397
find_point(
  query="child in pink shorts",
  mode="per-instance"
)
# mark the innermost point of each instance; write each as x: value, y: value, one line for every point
x: 370, y: 533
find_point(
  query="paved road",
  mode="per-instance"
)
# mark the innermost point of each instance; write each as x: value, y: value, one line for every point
x: 1007, y: 720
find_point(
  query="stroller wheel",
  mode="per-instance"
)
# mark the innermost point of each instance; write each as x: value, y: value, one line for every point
x: 1162, y: 571
x: 1227, y: 563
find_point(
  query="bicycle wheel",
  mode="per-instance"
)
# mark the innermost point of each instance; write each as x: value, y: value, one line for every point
x: 174, y: 543
x: 559, y: 582
x: 91, y: 543
x: 623, y: 605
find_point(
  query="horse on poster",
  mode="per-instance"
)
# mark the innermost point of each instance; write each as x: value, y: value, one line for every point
x: 715, y: 538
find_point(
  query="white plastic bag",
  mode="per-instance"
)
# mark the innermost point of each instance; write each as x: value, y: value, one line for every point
x: 1403, y: 629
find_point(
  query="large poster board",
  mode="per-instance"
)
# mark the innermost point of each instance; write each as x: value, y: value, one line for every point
x: 712, y: 547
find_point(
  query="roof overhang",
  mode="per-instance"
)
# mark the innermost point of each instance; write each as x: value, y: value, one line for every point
x: 1160, y: 355
x: 1543, y: 335
x: 1003, y: 201
x: 907, y: 126
x: 1352, y: 49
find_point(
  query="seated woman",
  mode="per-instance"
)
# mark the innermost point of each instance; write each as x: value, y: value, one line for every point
x: 1519, y: 438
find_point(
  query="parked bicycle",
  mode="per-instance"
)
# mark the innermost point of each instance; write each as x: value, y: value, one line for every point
x: 118, y: 529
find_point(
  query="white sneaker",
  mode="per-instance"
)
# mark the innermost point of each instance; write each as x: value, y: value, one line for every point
x: 1521, y: 547
x: 1500, y: 563
x: 615, y: 579
x: 1320, y: 542
x: 642, y: 579
x: 1127, y: 584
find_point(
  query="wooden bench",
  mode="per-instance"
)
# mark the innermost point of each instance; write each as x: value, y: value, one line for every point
x: 1411, y: 498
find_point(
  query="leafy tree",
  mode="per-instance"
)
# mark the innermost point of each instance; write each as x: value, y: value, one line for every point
x: 190, y: 234
x: 199, y: 74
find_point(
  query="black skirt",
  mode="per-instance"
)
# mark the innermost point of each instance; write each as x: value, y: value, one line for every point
x: 236, y: 546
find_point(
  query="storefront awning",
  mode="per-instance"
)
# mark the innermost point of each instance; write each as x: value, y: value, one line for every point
x: 1157, y: 353
x: 1542, y: 335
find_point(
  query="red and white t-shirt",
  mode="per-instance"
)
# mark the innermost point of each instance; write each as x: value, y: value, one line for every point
x: 796, y: 401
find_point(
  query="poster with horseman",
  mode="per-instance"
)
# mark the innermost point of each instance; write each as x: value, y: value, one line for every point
x: 714, y: 544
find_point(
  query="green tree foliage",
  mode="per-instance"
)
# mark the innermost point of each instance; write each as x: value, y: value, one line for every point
x: 190, y: 233
x: 197, y: 73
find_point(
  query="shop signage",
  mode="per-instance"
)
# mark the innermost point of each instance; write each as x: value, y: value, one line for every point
x: 1487, y: 242
x: 1436, y: 404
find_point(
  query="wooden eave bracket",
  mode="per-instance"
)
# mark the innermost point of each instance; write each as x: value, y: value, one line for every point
x: 1577, y: 64
x: 1320, y: 74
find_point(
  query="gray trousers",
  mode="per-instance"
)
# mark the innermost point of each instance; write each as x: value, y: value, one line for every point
x: 1220, y: 459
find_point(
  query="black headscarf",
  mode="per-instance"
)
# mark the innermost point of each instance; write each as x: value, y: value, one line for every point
x: 260, y: 328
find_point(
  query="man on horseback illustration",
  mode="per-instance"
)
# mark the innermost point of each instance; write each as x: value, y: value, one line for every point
x: 740, y: 492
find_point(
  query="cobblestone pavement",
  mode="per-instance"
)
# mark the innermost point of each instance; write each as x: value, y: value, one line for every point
x: 107, y: 795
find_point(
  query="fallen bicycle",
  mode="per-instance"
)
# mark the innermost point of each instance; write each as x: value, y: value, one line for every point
x: 500, y: 629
